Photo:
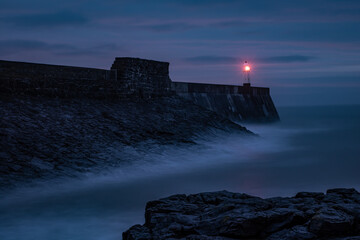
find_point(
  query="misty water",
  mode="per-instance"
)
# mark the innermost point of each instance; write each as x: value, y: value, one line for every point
x: 311, y: 149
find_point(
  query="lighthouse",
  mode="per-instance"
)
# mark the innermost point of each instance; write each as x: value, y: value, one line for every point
x: 246, y: 71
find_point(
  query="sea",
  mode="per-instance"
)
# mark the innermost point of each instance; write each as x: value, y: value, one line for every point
x: 312, y: 148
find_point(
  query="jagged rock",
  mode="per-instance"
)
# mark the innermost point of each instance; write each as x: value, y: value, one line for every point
x: 331, y: 222
x: 137, y: 232
x: 226, y: 215
x: 295, y: 233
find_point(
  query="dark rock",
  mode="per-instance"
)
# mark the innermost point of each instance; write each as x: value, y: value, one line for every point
x: 310, y: 195
x: 137, y: 232
x: 331, y: 222
x: 342, y: 191
x: 295, y: 233
x: 226, y: 215
x: 347, y: 238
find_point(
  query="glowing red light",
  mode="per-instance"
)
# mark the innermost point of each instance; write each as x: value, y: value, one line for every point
x: 247, y: 68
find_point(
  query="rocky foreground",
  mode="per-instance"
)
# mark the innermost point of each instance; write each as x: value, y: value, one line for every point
x: 226, y: 215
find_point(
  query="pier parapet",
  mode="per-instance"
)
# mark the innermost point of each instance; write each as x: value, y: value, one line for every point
x: 131, y: 78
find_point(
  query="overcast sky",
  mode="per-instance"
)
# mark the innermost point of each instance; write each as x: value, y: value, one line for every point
x: 307, y: 52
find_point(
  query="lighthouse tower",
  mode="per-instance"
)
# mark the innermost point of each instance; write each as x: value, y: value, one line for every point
x: 246, y: 71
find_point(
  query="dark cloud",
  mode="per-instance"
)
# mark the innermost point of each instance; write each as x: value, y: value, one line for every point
x: 348, y: 79
x: 8, y: 47
x: 187, y: 24
x: 168, y: 27
x: 212, y: 59
x: 287, y: 59
x: 15, y: 46
x: 94, y: 51
x: 45, y: 20
x: 232, y: 60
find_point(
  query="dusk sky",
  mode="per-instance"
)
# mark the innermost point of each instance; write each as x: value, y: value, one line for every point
x: 307, y: 52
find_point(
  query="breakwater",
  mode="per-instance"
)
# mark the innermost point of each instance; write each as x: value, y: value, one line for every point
x: 238, y: 103
x: 134, y: 78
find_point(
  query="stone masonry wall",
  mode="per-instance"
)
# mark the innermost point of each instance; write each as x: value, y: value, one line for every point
x: 238, y: 103
x: 55, y: 81
x: 145, y: 78
x: 128, y: 77
x: 134, y: 78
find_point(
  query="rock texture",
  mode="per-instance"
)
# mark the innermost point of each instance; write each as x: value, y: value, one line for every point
x: 226, y: 215
x: 43, y: 138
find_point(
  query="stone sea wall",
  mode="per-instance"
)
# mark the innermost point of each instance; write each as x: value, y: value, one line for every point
x: 134, y: 78
x: 144, y: 78
x: 238, y: 103
x: 43, y: 138
x: 128, y: 77
x: 54, y: 81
